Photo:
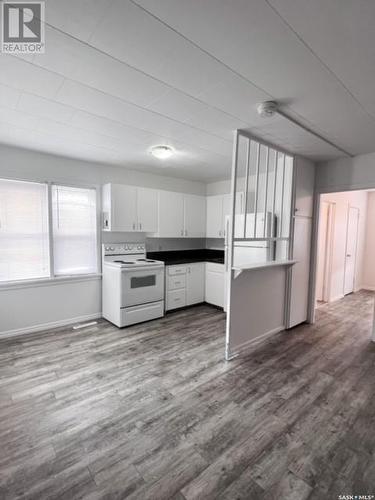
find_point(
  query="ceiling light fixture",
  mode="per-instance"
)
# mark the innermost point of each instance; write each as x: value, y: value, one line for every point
x: 162, y: 152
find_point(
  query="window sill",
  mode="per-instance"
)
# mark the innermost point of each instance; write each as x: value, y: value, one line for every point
x: 14, y: 285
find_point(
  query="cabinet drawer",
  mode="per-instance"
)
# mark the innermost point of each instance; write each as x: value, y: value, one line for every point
x: 175, y: 299
x: 174, y: 270
x: 177, y: 281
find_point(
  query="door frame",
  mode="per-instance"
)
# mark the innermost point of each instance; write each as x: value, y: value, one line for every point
x: 311, y: 312
x: 346, y: 247
x: 328, y: 253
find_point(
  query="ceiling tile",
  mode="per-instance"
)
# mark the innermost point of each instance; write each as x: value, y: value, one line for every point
x: 342, y: 35
x: 44, y: 108
x: 22, y: 75
x: 77, y: 17
x: 9, y: 96
x: 199, y: 115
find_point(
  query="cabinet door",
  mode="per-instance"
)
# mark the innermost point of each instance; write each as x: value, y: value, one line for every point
x: 214, y: 217
x: 147, y: 210
x: 171, y: 214
x: 194, y: 216
x: 195, y: 279
x: 214, y: 293
x: 123, y: 208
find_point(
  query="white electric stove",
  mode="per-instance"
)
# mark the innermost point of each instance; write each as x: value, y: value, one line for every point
x: 133, y: 286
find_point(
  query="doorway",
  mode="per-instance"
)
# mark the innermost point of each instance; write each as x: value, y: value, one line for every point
x: 325, y: 248
x: 343, y: 245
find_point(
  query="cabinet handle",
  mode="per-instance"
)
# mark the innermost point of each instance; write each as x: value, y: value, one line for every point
x: 182, y: 232
x: 140, y: 226
x: 133, y: 226
x: 219, y: 233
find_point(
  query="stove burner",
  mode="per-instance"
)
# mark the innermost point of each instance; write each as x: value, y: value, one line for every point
x: 123, y: 262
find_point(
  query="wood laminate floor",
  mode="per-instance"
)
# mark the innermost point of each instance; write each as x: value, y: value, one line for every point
x: 153, y: 412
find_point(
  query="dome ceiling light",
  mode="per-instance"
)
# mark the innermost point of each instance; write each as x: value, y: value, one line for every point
x: 162, y: 152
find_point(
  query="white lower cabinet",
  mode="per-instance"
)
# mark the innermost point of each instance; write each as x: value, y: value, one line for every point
x: 215, y: 284
x: 184, y: 285
x: 195, y: 283
x: 176, y: 299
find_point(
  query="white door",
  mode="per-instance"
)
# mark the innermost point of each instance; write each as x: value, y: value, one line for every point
x: 124, y: 208
x: 194, y: 216
x: 351, y: 249
x: 195, y: 279
x: 171, y: 214
x: 147, y: 210
x: 214, y: 217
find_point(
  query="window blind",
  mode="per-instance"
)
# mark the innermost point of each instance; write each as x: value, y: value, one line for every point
x: 74, y: 230
x: 24, y: 239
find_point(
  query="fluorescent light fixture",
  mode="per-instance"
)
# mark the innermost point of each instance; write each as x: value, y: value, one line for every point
x: 162, y: 152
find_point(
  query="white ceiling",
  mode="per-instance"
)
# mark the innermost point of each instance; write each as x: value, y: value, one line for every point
x: 119, y: 76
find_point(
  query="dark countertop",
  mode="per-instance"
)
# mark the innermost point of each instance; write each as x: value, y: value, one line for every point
x: 177, y: 257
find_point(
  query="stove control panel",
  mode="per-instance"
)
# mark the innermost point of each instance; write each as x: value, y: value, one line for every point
x: 124, y: 248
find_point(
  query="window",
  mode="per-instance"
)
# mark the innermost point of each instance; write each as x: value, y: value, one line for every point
x: 74, y: 230
x: 28, y: 247
x: 24, y: 241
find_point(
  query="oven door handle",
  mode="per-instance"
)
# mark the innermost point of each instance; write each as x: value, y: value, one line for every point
x: 143, y: 268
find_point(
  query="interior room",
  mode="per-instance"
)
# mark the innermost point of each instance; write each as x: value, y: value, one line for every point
x: 187, y: 209
x: 346, y: 245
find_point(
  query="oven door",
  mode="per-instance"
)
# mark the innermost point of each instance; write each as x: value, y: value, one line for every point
x: 142, y: 286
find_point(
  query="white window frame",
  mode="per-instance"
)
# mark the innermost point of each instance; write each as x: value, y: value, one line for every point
x: 53, y: 279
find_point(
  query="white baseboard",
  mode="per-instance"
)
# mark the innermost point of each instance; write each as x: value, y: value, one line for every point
x: 257, y: 340
x: 368, y: 287
x: 47, y: 326
x: 337, y: 297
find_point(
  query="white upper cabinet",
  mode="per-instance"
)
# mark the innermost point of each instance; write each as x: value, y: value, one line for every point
x: 147, y: 210
x: 119, y: 207
x: 129, y: 208
x: 171, y: 214
x: 214, y: 226
x: 181, y: 215
x: 194, y: 216
x: 305, y: 183
x: 165, y: 214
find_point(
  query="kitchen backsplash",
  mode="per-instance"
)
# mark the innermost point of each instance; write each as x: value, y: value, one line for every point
x: 169, y: 244
x: 164, y: 244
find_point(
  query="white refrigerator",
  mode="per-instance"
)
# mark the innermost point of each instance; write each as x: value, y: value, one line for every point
x: 252, y: 252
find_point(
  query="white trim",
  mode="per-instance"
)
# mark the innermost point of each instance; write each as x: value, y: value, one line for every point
x: 336, y: 298
x: 16, y: 285
x: 250, y: 343
x: 371, y: 288
x: 47, y: 326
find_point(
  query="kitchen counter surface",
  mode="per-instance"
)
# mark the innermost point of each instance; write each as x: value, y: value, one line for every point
x: 178, y: 257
